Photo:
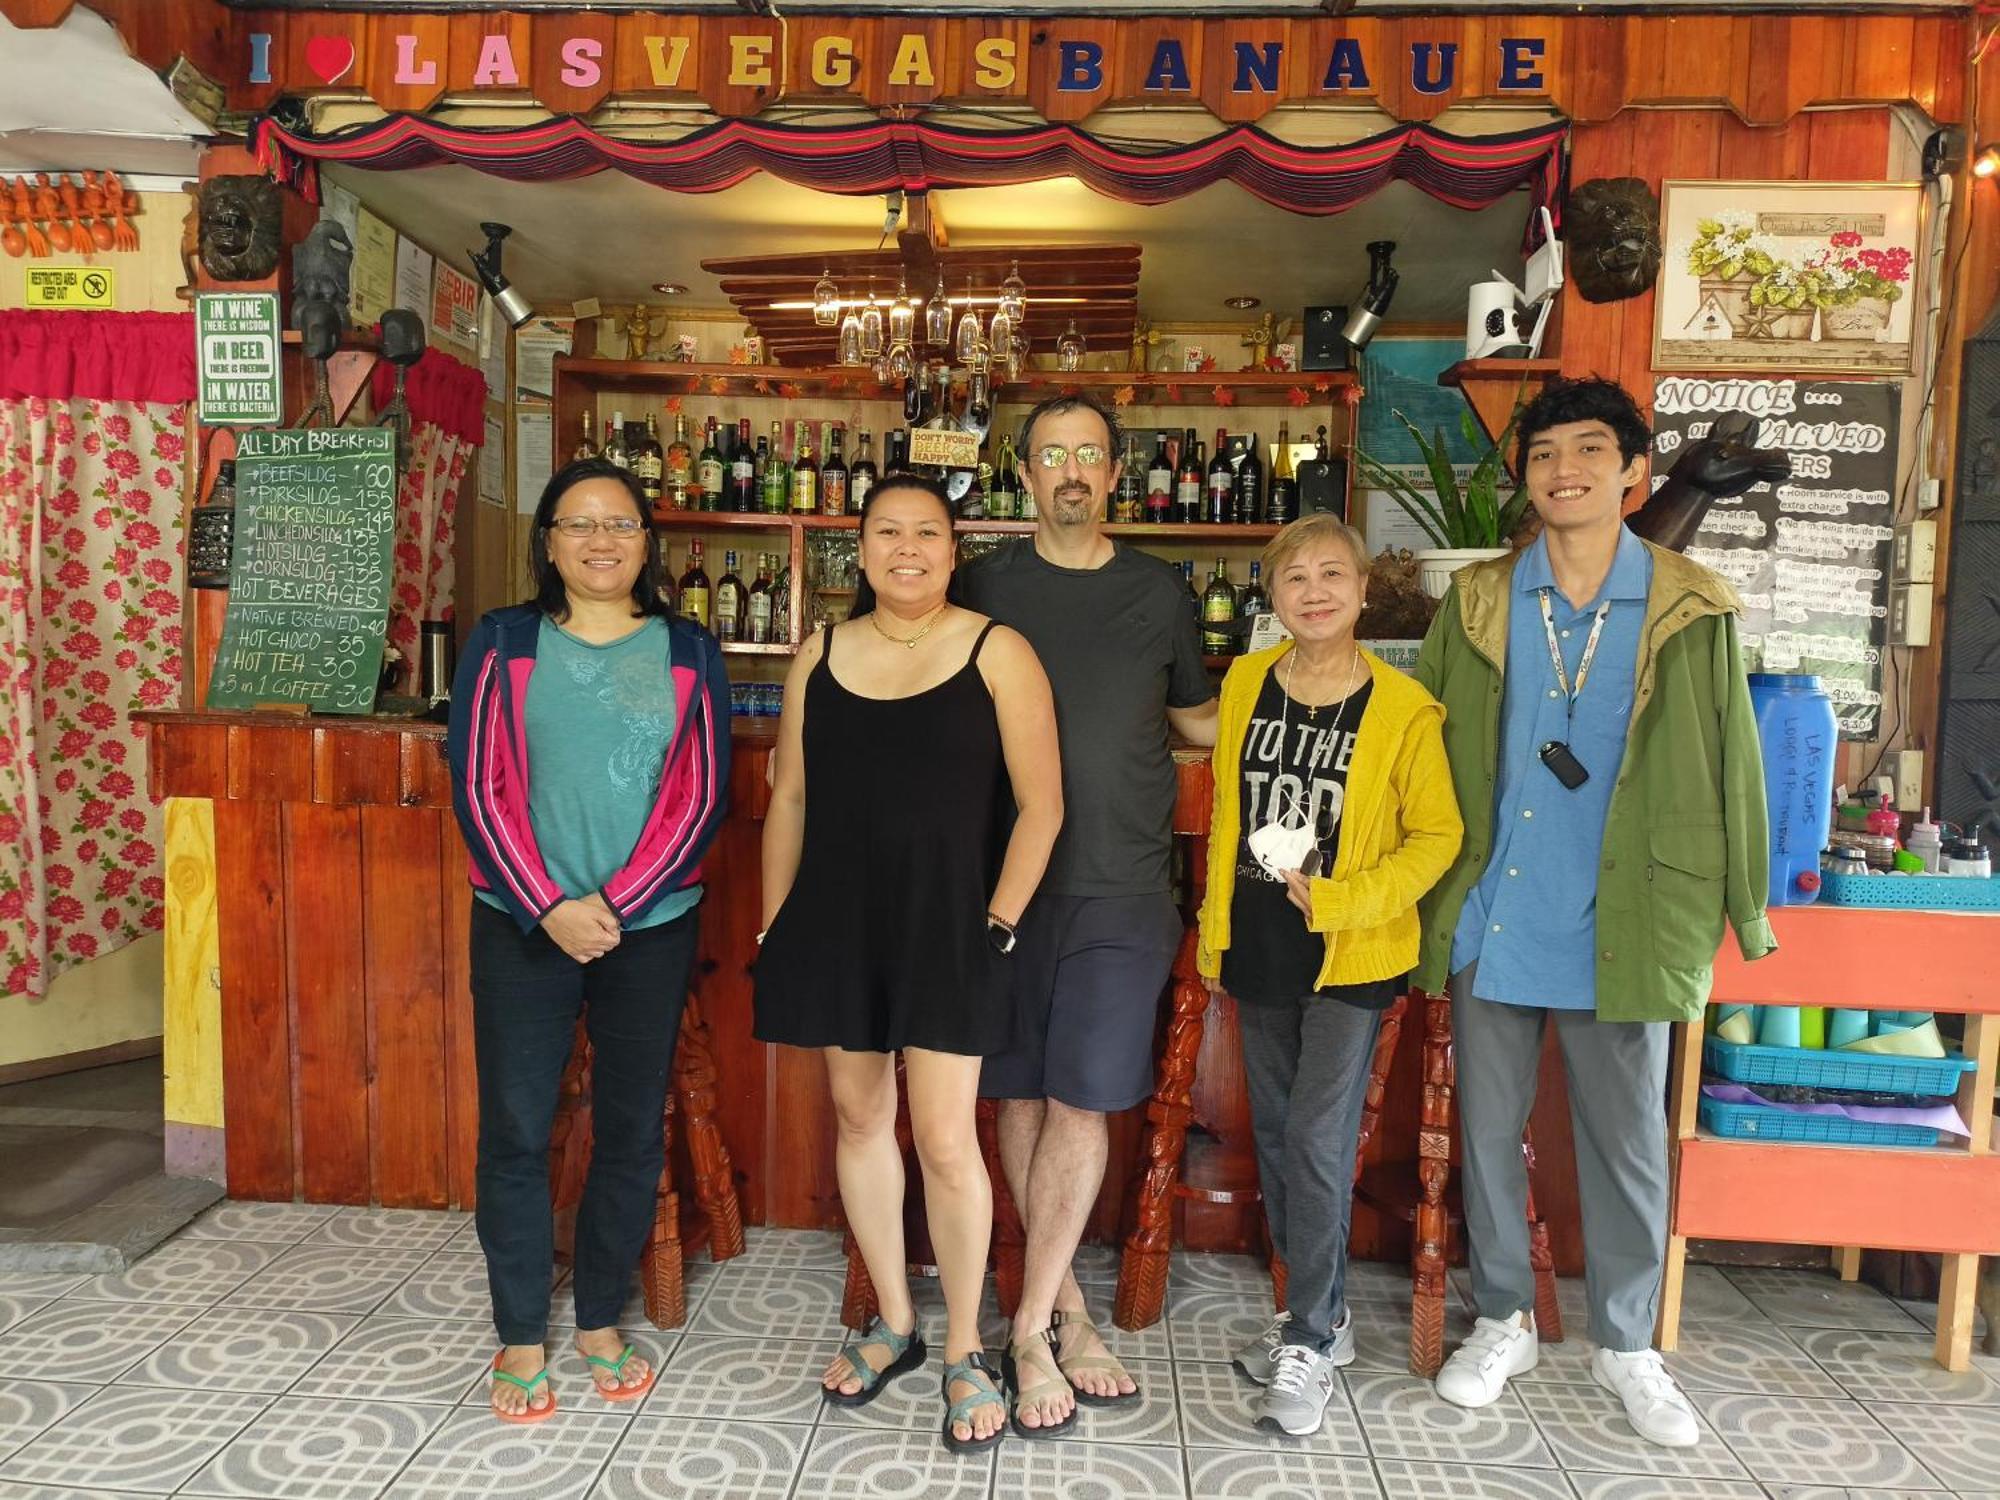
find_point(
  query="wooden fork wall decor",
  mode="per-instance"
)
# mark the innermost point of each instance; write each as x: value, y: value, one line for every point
x: 60, y: 215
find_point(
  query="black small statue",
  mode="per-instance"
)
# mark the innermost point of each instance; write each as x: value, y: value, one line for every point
x: 402, y: 346
x: 1611, y: 230
x: 1720, y: 466
x: 241, y: 233
x: 321, y: 264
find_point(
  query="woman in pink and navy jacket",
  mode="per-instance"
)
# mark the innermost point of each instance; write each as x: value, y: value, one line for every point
x: 589, y: 749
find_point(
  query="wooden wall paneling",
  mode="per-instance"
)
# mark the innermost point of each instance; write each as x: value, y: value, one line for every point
x: 975, y: 50
x: 716, y: 65
x: 424, y: 778
x: 324, y: 950
x: 1645, y: 44
x: 671, y: 67
x: 916, y: 52
x: 723, y: 979
x: 187, y: 760
x: 256, y: 1022
x: 1882, y: 61
x: 1045, y: 44
x: 351, y: 767
x: 500, y: 39
x: 1948, y: 41
x: 800, y: 1189
x: 1597, y: 68
x: 401, y: 876
x: 242, y: 26
x: 1703, y: 59
x: 1139, y: 41
x: 1787, y: 68
x: 587, y: 37
x: 428, y: 58
x: 826, y: 47
x: 1400, y: 63
x: 1220, y: 41
x: 270, y: 764
x: 1748, y: 153
x: 461, y: 1072
x: 1591, y: 330
x: 1847, y: 145
x: 321, y: 49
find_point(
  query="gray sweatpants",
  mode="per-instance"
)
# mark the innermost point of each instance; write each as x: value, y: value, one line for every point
x: 1306, y: 1061
x: 1617, y: 1073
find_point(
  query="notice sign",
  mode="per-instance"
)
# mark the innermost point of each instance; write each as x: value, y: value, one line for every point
x: 69, y: 286
x: 1810, y: 556
x: 236, y: 341
x: 942, y: 448
x: 309, y: 578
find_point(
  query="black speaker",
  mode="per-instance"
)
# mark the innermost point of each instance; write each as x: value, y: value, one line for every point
x: 1322, y: 347
x: 1968, y: 754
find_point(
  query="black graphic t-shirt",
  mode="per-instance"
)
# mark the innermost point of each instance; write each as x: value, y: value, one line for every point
x: 1293, y: 763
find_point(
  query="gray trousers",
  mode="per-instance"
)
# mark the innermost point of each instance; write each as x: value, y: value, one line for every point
x: 1306, y: 1061
x: 1617, y: 1073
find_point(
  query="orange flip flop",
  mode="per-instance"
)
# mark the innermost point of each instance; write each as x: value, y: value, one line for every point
x: 531, y: 1415
x: 616, y: 1366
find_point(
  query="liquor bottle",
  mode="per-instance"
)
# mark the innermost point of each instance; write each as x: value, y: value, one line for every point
x: 694, y: 587
x: 1187, y: 482
x: 1003, y: 497
x: 1282, y: 504
x: 1221, y: 482
x: 708, y: 472
x: 729, y: 601
x: 972, y: 505
x: 646, y: 465
x: 1128, y: 502
x: 1193, y: 594
x: 1160, y: 483
x: 615, y: 450
x: 743, y: 470
x: 805, y: 474
x: 776, y: 492
x: 1249, y: 484
x: 1218, y: 607
x: 1251, y: 603
x: 678, y: 476
x: 585, y: 448
x: 781, y: 604
x: 861, y: 474
x: 896, y: 450
x: 833, y: 480
x: 757, y: 605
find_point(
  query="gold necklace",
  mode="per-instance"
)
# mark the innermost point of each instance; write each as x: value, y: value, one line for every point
x: 908, y: 643
x: 1312, y: 709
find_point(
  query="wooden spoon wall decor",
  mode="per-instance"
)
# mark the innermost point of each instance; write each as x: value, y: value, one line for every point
x: 55, y: 214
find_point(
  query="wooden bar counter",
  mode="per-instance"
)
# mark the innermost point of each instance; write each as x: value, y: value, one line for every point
x: 347, y: 1056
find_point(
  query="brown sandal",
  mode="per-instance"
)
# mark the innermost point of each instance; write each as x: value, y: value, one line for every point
x: 1107, y: 1361
x: 1038, y: 1350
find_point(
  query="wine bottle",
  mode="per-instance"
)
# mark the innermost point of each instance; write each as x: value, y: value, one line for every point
x: 1221, y: 482
x: 805, y: 474
x: 615, y: 450
x: 585, y: 448
x: 757, y: 605
x: 729, y: 601
x: 896, y: 450
x: 694, y: 587
x: 1160, y: 483
x: 708, y: 472
x: 776, y: 493
x: 1251, y: 603
x: 1218, y: 607
x: 833, y: 480
x: 743, y: 470
x: 1249, y: 484
x: 1003, y: 497
x: 1188, y: 481
x: 861, y: 474
x: 1193, y: 594
x: 1282, y: 504
x: 1128, y: 502
x: 673, y: 471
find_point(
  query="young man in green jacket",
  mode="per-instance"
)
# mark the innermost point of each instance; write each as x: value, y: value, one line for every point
x: 1601, y: 741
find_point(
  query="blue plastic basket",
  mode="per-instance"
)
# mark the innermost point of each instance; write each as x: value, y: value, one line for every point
x: 1741, y: 1062
x: 1760, y: 1122
x: 1913, y: 892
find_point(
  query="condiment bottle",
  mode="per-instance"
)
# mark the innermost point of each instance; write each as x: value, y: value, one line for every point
x: 1883, y: 818
x: 1967, y: 856
x: 1926, y: 842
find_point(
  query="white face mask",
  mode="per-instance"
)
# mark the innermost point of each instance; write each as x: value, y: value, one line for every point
x: 1278, y: 847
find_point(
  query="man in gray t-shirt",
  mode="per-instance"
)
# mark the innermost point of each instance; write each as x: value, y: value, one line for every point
x: 1118, y: 639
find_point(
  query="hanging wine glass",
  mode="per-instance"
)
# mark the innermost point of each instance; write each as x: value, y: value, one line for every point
x: 1014, y: 294
x: 902, y: 314
x: 969, y: 335
x: 937, y: 317
x: 1069, y: 348
x: 1000, y: 331
x: 901, y: 362
x: 826, y: 300
x: 850, y: 337
x: 1017, y: 354
x: 871, y: 326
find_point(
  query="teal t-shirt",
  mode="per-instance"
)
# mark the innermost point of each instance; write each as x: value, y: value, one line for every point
x: 599, y: 719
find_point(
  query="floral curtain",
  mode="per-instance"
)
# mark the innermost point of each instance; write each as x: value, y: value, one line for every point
x: 93, y: 439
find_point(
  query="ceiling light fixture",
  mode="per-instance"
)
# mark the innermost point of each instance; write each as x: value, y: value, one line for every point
x: 669, y: 288
x: 1242, y: 303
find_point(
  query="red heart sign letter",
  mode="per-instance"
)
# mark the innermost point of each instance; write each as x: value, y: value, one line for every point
x: 329, y: 57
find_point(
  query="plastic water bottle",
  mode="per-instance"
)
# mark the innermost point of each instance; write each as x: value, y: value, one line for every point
x: 1795, y: 722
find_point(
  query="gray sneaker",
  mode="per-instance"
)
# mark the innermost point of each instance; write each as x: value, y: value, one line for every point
x: 1302, y: 1382
x: 1258, y: 1358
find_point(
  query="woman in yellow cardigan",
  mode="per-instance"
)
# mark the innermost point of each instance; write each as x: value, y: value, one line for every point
x: 1333, y: 813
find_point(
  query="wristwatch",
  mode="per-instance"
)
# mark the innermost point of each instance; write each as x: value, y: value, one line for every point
x: 1000, y: 933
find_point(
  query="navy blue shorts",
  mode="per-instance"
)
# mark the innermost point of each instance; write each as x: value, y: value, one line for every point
x: 1089, y: 973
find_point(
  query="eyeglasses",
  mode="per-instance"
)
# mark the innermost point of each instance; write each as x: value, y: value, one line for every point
x: 1055, y: 455
x: 621, y: 528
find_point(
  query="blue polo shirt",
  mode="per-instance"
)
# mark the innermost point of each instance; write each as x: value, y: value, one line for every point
x: 1531, y: 922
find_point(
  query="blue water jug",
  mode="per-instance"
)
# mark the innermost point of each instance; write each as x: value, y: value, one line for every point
x: 1795, y: 722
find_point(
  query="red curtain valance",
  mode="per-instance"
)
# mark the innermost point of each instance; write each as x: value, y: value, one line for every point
x: 1467, y: 171
x: 96, y: 356
x: 442, y: 391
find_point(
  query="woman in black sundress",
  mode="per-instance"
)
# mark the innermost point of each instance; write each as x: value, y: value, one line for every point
x: 886, y: 931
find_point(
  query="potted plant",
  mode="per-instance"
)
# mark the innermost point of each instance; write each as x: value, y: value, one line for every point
x: 1468, y: 522
x: 1874, y: 283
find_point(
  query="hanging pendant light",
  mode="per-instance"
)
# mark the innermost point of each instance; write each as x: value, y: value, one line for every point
x: 1014, y: 294
x: 850, y: 336
x: 970, y: 338
x: 1069, y: 348
x: 902, y: 314
x: 871, y: 326
x: 937, y: 317
x: 826, y: 300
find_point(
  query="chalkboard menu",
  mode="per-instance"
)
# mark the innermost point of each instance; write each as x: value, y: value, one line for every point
x: 1811, y: 555
x: 309, y: 578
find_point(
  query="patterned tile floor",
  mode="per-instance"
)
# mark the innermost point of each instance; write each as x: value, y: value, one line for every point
x: 306, y: 1353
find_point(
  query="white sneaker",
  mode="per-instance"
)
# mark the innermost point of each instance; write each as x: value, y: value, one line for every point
x: 1479, y: 1369
x: 1302, y: 1382
x: 1258, y: 1358
x: 1654, y: 1405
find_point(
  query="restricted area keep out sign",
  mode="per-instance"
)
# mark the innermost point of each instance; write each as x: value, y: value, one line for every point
x: 70, y: 286
x: 237, y: 340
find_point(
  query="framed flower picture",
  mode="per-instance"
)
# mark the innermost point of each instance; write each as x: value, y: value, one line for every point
x: 1809, y: 278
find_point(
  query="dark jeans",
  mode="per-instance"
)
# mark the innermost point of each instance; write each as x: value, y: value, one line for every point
x: 526, y: 995
x: 1306, y: 1062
